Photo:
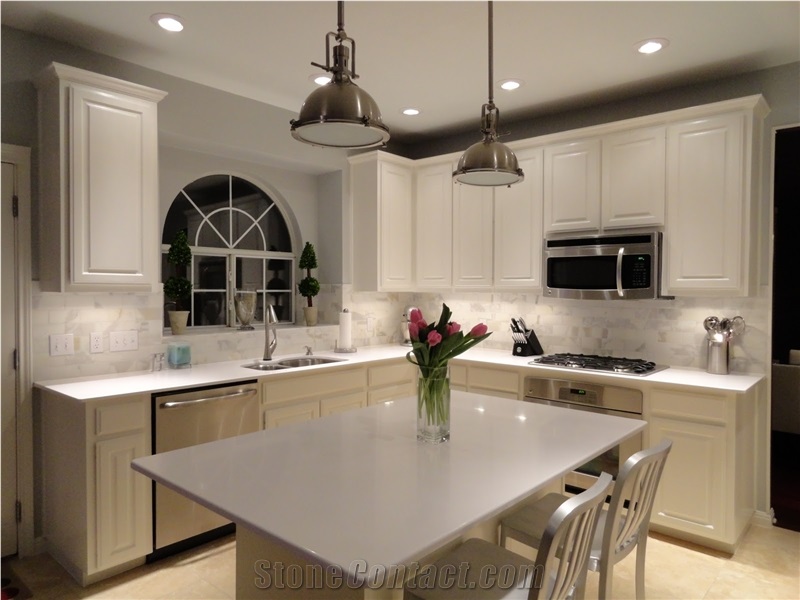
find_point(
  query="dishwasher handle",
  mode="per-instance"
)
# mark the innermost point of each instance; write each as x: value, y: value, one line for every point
x: 182, y: 403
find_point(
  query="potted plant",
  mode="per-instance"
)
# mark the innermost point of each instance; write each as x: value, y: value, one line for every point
x: 309, y: 286
x: 178, y: 288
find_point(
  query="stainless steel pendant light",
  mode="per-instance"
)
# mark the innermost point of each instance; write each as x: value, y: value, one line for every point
x: 489, y: 162
x: 340, y: 114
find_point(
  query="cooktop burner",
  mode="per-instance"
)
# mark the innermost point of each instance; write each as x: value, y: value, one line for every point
x: 593, y: 362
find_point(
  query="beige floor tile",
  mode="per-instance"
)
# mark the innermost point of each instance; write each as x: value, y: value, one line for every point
x: 766, y: 566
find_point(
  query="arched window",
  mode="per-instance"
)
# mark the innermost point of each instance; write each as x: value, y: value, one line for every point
x: 240, y: 240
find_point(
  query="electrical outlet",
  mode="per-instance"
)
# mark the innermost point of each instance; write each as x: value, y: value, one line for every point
x: 95, y: 343
x: 62, y: 344
x: 123, y: 341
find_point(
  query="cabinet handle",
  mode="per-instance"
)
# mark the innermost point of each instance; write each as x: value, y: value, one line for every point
x: 620, y: 291
x: 181, y: 403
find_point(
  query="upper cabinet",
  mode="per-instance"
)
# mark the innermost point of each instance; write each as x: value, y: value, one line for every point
x: 692, y: 174
x: 382, y: 187
x: 712, y: 177
x: 612, y: 181
x: 98, y: 148
x: 518, y: 226
x: 572, y: 186
x: 633, y: 178
x: 434, y: 226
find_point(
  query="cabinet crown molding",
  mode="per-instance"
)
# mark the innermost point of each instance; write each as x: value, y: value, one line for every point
x: 59, y: 72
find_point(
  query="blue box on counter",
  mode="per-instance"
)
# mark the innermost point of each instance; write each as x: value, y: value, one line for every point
x: 179, y: 356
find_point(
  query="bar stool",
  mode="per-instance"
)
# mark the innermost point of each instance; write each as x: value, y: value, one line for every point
x: 620, y: 529
x: 478, y: 569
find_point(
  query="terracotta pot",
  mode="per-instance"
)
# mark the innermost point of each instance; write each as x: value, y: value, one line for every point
x: 310, y: 315
x: 177, y: 321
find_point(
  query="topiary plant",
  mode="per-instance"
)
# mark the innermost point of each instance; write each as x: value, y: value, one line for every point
x: 178, y: 288
x: 308, y: 286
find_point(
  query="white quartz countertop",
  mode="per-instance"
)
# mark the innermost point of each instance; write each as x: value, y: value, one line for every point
x: 358, y: 486
x: 91, y: 388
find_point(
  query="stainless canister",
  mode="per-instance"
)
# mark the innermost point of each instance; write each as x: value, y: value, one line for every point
x: 404, y: 325
x: 717, y: 357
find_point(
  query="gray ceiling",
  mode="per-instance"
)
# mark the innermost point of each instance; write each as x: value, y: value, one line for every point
x: 433, y: 55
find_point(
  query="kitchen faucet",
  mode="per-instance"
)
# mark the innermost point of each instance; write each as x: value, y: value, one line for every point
x: 269, y: 325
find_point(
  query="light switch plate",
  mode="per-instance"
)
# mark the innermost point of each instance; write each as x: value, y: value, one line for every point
x: 123, y: 341
x: 61, y: 344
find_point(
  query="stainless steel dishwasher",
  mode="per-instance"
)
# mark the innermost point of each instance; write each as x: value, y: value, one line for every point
x: 183, y: 419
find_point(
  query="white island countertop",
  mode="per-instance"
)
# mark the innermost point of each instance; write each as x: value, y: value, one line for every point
x: 92, y: 388
x: 358, y: 486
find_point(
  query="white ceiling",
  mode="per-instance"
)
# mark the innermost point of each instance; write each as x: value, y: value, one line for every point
x: 433, y: 55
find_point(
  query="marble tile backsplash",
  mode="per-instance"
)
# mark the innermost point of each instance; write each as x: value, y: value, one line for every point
x: 665, y: 331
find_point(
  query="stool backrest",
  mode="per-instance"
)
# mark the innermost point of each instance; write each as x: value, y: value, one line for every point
x: 564, y: 550
x: 632, y: 500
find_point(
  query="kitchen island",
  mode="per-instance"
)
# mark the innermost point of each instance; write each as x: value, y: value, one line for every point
x: 355, y: 495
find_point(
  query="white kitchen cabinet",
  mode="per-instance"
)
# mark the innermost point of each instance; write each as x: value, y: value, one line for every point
x: 295, y: 396
x: 97, y: 510
x: 98, y: 148
x: 297, y: 412
x: 707, y: 491
x: 712, y: 170
x: 473, y: 236
x: 391, y: 380
x: 383, y: 222
x: 572, y: 186
x: 634, y: 178
x: 434, y: 226
x: 518, y: 227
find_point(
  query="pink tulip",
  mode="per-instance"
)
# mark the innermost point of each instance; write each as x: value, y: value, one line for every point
x: 413, y: 331
x: 434, y: 337
x: 422, y: 324
x: 479, y: 330
x: 453, y: 328
x: 415, y: 316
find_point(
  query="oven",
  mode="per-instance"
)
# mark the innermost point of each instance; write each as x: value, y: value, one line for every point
x: 604, y: 399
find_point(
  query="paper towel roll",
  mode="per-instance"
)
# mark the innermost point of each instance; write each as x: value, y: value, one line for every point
x: 345, y: 329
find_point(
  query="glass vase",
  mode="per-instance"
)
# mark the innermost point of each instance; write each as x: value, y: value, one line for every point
x: 433, y: 405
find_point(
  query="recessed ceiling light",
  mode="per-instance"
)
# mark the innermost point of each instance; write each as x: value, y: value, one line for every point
x: 320, y: 78
x: 411, y: 112
x: 168, y: 22
x: 510, y: 84
x: 652, y: 45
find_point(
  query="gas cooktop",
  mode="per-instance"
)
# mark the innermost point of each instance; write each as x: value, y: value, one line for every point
x: 593, y: 362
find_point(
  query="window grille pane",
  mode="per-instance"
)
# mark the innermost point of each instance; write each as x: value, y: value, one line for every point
x: 282, y: 301
x: 209, y: 308
x: 277, y: 233
x: 249, y: 273
x: 210, y: 273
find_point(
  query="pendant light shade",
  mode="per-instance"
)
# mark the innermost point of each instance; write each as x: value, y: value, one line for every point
x: 340, y: 114
x: 489, y: 162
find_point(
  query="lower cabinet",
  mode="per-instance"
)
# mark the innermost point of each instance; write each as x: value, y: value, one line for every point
x: 707, y: 490
x: 492, y: 381
x: 295, y: 412
x: 392, y: 380
x: 97, y: 510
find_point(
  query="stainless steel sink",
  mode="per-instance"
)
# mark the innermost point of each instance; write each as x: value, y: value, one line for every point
x: 307, y: 361
x: 266, y: 366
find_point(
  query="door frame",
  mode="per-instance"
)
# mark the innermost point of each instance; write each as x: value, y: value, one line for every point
x: 20, y: 157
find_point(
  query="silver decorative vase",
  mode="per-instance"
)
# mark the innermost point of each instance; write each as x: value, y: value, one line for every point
x: 245, y: 304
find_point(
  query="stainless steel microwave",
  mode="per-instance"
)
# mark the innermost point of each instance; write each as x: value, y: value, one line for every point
x: 607, y: 267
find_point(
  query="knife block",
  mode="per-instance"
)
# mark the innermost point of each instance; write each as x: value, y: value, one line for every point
x: 530, y: 347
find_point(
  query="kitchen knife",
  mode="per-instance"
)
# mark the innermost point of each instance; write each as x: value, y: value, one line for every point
x: 521, y: 321
x: 515, y: 326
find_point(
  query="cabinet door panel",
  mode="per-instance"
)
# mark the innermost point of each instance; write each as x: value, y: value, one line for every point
x: 342, y: 403
x: 396, y: 231
x: 293, y: 413
x: 112, y: 203
x: 434, y: 219
x: 518, y: 227
x: 124, y: 521
x: 472, y: 236
x: 705, y: 246
x: 572, y: 186
x: 634, y: 178
x: 692, y: 493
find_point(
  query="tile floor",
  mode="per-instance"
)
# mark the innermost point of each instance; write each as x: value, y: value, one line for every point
x: 766, y: 566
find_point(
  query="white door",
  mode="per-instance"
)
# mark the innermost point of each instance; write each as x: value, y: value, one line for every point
x: 9, y: 375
